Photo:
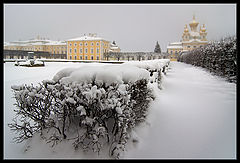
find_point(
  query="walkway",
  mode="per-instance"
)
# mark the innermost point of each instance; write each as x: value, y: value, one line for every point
x: 194, y: 116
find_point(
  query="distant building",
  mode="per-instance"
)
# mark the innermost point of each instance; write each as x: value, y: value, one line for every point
x: 190, y: 39
x: 87, y: 47
x: 56, y: 49
x: 114, y: 47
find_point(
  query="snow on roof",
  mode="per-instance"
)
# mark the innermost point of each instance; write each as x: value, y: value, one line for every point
x: 176, y: 43
x: 174, y: 47
x: 114, y: 47
x: 56, y: 43
x: 31, y: 42
x: 84, y: 38
x: 195, y: 40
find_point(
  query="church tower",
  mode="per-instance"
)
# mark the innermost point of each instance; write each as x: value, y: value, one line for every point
x: 203, y: 33
x: 186, y: 34
x: 191, y: 39
x: 193, y: 24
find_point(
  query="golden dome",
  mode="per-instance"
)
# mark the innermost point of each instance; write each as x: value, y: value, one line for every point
x: 203, y: 28
x: 193, y: 22
x: 186, y: 28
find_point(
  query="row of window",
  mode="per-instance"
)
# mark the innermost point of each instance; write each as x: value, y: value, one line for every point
x: 86, y: 57
x: 81, y: 50
x: 59, y: 52
x: 86, y: 44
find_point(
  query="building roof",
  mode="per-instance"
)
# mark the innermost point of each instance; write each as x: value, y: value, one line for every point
x: 85, y: 38
x: 195, y: 40
x: 34, y: 42
x: 174, y: 47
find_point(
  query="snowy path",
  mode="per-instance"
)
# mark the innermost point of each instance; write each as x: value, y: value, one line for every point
x: 194, y: 116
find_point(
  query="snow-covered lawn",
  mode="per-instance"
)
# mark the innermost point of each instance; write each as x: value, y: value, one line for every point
x: 193, y: 116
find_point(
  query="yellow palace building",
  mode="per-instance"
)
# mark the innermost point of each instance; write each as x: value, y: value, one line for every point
x: 191, y: 39
x: 87, y: 47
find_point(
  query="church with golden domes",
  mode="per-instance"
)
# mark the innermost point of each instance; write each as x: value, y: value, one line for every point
x: 191, y: 39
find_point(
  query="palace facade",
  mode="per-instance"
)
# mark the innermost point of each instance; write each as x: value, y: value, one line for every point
x: 55, y: 49
x: 87, y: 47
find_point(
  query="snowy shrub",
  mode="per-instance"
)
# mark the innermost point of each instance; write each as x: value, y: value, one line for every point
x: 219, y: 57
x: 30, y: 63
x: 95, y: 113
x: 155, y: 67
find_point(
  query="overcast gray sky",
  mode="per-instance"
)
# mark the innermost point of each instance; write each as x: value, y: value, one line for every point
x: 134, y: 27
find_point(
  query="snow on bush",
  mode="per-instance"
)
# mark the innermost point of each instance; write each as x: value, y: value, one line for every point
x: 91, y: 107
x: 220, y: 57
x: 155, y: 67
x: 29, y: 63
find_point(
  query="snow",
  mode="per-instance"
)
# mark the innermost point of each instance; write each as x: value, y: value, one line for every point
x: 193, y: 116
x: 174, y: 47
x: 107, y: 74
x: 149, y: 64
x: 82, y: 38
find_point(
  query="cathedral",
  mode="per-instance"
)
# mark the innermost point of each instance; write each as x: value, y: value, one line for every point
x: 191, y: 39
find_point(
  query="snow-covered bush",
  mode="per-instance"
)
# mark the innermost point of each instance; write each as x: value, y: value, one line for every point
x: 155, y: 67
x: 91, y: 107
x: 219, y: 57
x: 29, y: 63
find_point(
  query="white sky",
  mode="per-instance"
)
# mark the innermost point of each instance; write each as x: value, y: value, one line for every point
x: 134, y: 27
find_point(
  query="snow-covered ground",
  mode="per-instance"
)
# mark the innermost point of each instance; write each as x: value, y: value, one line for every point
x: 193, y: 116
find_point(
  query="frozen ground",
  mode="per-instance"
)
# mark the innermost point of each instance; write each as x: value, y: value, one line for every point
x: 193, y: 116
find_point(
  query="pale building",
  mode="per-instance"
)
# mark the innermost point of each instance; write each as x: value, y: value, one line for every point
x: 54, y: 48
x: 114, y: 47
x: 191, y: 39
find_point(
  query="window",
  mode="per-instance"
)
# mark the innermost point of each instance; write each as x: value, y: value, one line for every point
x: 97, y: 57
x: 75, y: 57
x: 70, y: 50
x: 75, y: 50
x: 188, y: 46
x: 91, y: 57
x: 80, y: 50
x: 91, y: 50
x: 86, y: 57
x: 70, y: 44
x: 97, y: 50
x: 75, y: 44
x: 91, y: 43
x: 97, y: 43
x: 86, y: 50
x: 80, y: 44
x: 86, y: 44
x: 80, y: 57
